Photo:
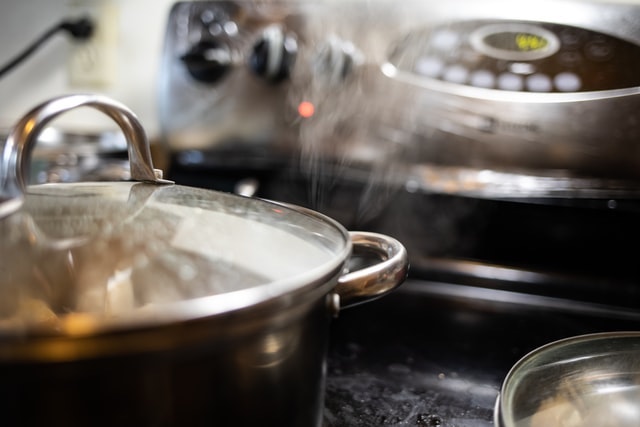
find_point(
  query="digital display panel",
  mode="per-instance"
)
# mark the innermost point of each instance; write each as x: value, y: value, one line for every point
x: 515, y: 41
x: 507, y: 55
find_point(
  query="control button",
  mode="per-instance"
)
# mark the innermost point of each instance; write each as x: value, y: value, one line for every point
x: 510, y: 81
x: 599, y: 50
x: 207, y: 16
x: 214, y: 14
x: 570, y: 38
x: 455, y: 74
x: 569, y: 58
x: 445, y: 40
x: 539, y: 83
x: 567, y: 82
x: 230, y: 28
x: 429, y: 67
x: 215, y: 29
x: 523, y: 68
x: 483, y: 78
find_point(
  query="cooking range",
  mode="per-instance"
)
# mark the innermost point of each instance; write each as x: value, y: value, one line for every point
x: 498, y: 142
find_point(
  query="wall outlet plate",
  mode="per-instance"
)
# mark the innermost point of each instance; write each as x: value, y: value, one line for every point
x: 93, y: 62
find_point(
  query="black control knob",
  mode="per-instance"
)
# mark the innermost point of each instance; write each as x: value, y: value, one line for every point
x: 336, y: 60
x: 208, y: 61
x: 274, y: 54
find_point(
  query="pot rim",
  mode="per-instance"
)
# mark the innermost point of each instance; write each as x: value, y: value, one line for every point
x: 292, y: 287
x: 178, y: 324
x: 189, y: 324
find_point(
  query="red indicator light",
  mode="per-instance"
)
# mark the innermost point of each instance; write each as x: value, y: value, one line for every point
x: 306, y: 109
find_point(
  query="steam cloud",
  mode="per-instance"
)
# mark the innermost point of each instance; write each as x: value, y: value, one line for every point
x: 354, y: 133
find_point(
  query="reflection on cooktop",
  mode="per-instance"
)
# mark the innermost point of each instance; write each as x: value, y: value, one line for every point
x: 423, y: 358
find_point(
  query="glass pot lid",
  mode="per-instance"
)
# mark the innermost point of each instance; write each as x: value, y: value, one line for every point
x: 115, y: 251
x: 588, y: 380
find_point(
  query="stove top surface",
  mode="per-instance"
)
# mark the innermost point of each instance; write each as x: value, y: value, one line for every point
x: 491, y: 280
x: 431, y: 355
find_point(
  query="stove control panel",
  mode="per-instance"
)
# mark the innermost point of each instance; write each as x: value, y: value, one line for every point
x: 212, y: 38
x: 243, y: 75
x: 519, y: 56
x: 485, y: 85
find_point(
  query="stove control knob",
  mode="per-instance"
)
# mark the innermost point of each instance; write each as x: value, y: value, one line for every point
x: 207, y: 61
x: 274, y: 54
x: 336, y: 59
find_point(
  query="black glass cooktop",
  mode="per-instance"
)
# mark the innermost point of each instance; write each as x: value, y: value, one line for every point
x: 434, y: 354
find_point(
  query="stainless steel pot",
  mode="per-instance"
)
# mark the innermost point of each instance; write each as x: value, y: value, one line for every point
x: 147, y: 303
x: 588, y: 380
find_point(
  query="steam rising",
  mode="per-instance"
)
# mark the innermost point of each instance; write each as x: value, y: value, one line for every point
x: 353, y: 133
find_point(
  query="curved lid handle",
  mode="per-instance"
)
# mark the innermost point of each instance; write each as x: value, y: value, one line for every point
x: 16, y: 153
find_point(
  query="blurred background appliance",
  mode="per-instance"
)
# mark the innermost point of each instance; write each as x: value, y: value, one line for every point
x: 497, y: 141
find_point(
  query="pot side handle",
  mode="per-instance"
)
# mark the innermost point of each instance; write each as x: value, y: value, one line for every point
x: 376, y: 280
x: 16, y: 153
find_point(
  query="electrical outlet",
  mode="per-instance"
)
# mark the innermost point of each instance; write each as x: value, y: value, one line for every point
x: 93, y: 62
